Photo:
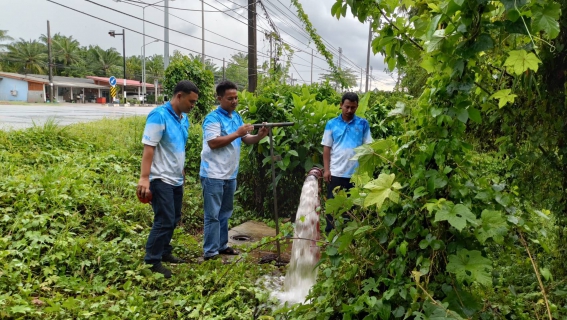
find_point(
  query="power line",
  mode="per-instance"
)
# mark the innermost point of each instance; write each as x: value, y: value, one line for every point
x: 191, y: 23
x: 180, y: 32
x: 184, y: 9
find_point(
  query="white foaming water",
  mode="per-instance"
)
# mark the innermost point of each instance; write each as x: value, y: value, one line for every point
x: 302, y: 274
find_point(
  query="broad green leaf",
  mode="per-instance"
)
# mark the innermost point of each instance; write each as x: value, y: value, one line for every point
x: 363, y: 105
x: 400, y: 109
x: 462, y: 115
x: 339, y: 204
x: 436, y: 40
x: 546, y: 274
x: 411, y: 51
x: 483, y: 43
x: 492, y: 225
x: 474, y: 114
x: 380, y: 190
x: 456, y: 215
x: 470, y: 266
x: 432, y: 27
x: 428, y: 64
x: 546, y: 19
x: 520, y: 61
x: 504, y: 97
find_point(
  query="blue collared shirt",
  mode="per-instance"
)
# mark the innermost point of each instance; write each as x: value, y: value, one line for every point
x: 168, y: 133
x: 221, y: 163
x: 342, y: 137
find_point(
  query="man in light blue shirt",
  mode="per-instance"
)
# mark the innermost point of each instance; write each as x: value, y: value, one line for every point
x: 223, y: 133
x: 162, y: 176
x: 342, y: 134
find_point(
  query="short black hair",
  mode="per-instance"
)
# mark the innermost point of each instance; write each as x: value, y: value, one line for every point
x: 185, y: 86
x: 350, y: 96
x: 225, y: 85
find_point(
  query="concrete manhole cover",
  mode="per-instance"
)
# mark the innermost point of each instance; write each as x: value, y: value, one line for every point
x: 241, y: 238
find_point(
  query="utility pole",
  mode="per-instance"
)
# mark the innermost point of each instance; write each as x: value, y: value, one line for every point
x: 166, y: 35
x: 223, y: 71
x: 311, y: 66
x: 340, y: 57
x: 203, y: 31
x: 360, y: 79
x: 291, y: 79
x: 370, y: 85
x: 252, y: 58
x: 50, y: 63
x: 368, y: 52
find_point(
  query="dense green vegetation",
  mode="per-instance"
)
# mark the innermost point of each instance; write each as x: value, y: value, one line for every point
x: 460, y: 204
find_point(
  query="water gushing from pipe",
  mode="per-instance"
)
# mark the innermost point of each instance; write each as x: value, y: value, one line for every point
x: 302, y: 274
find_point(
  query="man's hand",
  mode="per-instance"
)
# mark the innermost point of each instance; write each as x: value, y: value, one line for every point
x: 263, y: 132
x: 143, y: 189
x: 327, y: 176
x: 244, y: 130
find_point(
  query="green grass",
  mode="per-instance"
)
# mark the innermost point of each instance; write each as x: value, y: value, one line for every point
x: 73, y: 234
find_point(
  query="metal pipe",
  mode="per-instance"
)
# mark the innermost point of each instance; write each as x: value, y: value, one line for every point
x: 275, y: 195
x: 275, y: 124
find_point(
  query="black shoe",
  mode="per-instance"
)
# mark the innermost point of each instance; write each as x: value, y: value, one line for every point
x: 159, y: 268
x: 171, y: 259
x: 215, y: 257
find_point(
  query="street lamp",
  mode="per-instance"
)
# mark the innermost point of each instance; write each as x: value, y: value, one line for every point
x: 143, y: 51
x: 112, y: 33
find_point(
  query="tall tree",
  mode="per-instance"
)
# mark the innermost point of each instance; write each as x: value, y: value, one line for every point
x: 4, y: 37
x: 348, y: 77
x: 154, y: 68
x: 134, y: 68
x: 237, y: 70
x: 106, y: 62
x: 27, y: 56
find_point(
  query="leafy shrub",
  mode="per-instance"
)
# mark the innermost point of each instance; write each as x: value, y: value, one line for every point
x: 184, y: 68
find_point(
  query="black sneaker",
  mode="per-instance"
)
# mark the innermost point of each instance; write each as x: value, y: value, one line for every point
x: 171, y: 259
x: 215, y: 257
x: 159, y: 268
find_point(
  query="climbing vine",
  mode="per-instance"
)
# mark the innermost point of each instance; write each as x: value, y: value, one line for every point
x: 321, y: 48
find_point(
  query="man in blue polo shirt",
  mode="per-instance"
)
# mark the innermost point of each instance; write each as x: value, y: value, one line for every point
x: 342, y: 135
x: 162, y: 176
x: 223, y: 132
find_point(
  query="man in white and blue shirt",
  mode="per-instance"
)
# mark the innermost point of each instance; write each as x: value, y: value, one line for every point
x: 162, y: 174
x: 223, y: 133
x: 342, y: 134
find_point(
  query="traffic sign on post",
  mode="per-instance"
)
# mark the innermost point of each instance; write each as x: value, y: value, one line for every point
x: 112, y: 81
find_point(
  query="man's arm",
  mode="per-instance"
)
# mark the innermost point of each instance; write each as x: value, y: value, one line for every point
x: 223, y: 141
x: 144, y: 182
x: 249, y: 139
x: 327, y: 163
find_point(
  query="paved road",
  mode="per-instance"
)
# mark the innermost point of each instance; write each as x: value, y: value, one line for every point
x: 24, y: 116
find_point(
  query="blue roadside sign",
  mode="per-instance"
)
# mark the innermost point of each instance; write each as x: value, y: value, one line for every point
x: 112, y: 81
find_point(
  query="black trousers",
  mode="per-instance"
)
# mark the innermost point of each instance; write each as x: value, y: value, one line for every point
x: 343, y: 183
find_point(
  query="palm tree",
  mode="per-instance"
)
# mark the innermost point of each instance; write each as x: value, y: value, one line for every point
x: 27, y: 56
x: 4, y: 37
x: 106, y: 62
x: 67, y: 50
x: 348, y: 75
x: 154, y: 68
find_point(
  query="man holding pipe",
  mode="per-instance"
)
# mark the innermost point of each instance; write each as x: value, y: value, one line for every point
x: 223, y: 133
x: 342, y: 135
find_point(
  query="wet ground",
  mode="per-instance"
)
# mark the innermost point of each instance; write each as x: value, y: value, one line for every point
x: 25, y: 116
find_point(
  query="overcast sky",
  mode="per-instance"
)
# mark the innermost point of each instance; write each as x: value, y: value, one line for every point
x: 27, y: 19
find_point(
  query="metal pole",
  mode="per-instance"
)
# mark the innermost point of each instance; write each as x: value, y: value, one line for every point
x: 124, y: 60
x: 276, y: 218
x: 360, y: 79
x: 50, y: 62
x: 223, y: 71
x: 252, y: 59
x: 203, y: 31
x: 144, y: 53
x: 368, y: 52
x: 311, y: 65
x: 166, y: 35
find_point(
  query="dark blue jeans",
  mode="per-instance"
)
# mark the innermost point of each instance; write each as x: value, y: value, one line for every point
x: 342, y: 183
x: 166, y: 202
x: 218, y: 200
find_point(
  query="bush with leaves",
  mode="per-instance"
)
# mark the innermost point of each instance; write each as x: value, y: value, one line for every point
x: 183, y: 67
